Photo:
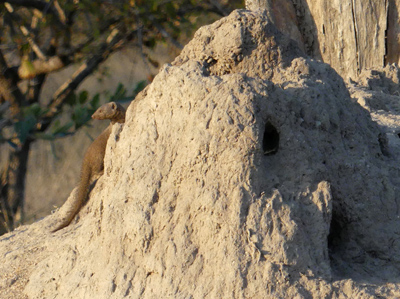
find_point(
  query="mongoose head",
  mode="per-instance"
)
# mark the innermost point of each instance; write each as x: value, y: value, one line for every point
x: 112, y: 111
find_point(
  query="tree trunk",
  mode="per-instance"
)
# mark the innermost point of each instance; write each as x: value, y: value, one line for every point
x: 257, y: 4
x: 15, y: 189
x: 5, y: 209
x: 350, y: 35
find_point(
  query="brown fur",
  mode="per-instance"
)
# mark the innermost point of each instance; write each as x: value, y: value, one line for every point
x: 93, y: 161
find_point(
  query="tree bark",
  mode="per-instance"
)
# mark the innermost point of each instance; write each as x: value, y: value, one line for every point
x: 350, y: 35
x: 257, y: 4
x: 5, y: 210
x: 9, y: 89
x: 13, y: 205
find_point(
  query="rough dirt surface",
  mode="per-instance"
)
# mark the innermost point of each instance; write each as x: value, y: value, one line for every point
x: 245, y: 170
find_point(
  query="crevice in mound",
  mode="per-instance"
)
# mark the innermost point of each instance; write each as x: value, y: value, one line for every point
x: 218, y: 67
x: 270, y: 140
x: 334, y: 234
x: 384, y: 144
x: 335, y: 240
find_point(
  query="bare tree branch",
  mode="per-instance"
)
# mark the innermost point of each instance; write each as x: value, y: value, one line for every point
x: 184, y: 10
x: 164, y: 33
x: 113, y: 41
x: 29, y: 70
x: 257, y: 4
x: 223, y: 10
x: 60, y: 12
x: 34, y: 46
x: 106, y: 26
x: 40, y: 5
x: 140, y: 44
x: 25, y: 32
x: 8, y: 87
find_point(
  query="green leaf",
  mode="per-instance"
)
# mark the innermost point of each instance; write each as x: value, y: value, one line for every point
x: 24, y: 127
x: 12, y: 144
x: 95, y: 102
x: 83, y: 96
x: 80, y: 116
x: 120, y: 93
x: 170, y: 9
x: 150, y: 43
x: 140, y: 86
x: 71, y: 99
x: 44, y: 136
x: 58, y: 129
x: 25, y: 47
x: 34, y: 110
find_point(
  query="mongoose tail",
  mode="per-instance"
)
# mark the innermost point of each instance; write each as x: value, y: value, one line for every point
x: 93, y: 161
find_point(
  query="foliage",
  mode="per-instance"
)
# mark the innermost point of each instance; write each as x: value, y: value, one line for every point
x: 79, y: 109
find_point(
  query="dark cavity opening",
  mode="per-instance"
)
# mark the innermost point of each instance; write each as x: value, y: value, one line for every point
x: 384, y: 144
x: 336, y: 243
x: 270, y: 140
x: 335, y: 232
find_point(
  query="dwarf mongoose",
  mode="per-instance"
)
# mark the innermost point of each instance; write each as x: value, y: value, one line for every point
x: 93, y: 161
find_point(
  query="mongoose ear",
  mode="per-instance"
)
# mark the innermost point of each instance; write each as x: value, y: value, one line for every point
x: 113, y: 105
